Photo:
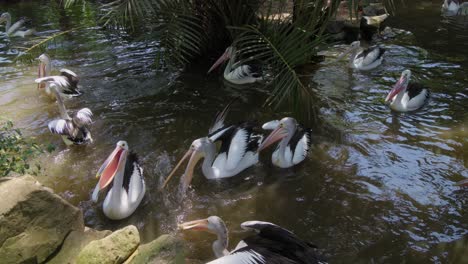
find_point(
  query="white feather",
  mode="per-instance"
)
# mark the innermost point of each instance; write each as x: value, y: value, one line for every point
x: 271, y: 125
x: 237, y: 149
x: 69, y: 72
x: 301, y: 150
x: 84, y: 116
x: 243, y: 257
x: 59, y: 126
x: 60, y: 81
x: 137, y: 184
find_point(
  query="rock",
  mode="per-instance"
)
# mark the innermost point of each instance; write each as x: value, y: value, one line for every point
x: 33, y: 221
x: 163, y: 250
x: 115, y: 248
x: 75, y: 242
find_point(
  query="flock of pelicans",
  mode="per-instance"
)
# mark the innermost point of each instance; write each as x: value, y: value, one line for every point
x: 121, y: 175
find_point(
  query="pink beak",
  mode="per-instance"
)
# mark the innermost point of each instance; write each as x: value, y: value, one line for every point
x: 40, y: 74
x: 463, y: 183
x: 396, y: 89
x: 220, y: 61
x: 277, y: 134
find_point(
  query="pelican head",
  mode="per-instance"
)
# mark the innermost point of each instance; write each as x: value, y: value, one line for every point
x: 399, y: 86
x: 226, y: 56
x: 353, y: 47
x: 281, y: 129
x: 199, y: 148
x: 5, y: 17
x: 112, y: 165
x: 44, y: 68
x: 214, y: 225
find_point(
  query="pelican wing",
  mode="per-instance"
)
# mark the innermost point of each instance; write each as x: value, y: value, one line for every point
x: 15, y: 26
x: 278, y: 245
x: 237, y: 148
x: 248, y: 256
x: 71, y: 76
x: 370, y: 55
x: 58, y: 80
x: 134, y: 183
x: 218, y: 123
x: 300, y: 143
x: 83, y: 117
x: 61, y: 127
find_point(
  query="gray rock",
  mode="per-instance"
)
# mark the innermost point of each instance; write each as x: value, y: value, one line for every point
x: 163, y: 250
x: 33, y: 221
x: 115, y: 248
x: 74, y: 243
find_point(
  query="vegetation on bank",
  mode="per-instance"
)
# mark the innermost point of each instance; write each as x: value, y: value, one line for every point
x: 16, y: 151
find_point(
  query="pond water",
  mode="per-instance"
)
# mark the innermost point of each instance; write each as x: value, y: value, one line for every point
x: 379, y: 189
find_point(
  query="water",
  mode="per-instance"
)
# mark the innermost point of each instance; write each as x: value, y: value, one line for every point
x: 377, y: 189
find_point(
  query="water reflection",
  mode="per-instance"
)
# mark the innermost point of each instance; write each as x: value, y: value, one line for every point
x: 379, y: 187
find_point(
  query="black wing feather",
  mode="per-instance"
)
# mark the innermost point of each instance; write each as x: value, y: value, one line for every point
x: 414, y: 89
x: 132, y: 161
x: 278, y: 244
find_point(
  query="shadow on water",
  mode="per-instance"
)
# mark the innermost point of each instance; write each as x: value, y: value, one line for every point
x: 377, y: 186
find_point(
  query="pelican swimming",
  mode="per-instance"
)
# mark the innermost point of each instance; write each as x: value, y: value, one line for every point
x: 294, y: 145
x: 74, y: 130
x: 13, y: 30
x: 405, y: 95
x: 269, y: 244
x: 121, y: 169
x: 363, y: 57
x: 237, y: 151
x: 235, y: 73
x: 67, y: 81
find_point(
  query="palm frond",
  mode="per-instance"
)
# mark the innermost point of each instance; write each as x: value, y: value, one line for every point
x: 27, y: 55
x: 284, y: 45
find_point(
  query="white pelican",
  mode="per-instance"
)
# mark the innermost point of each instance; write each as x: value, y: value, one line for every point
x: 407, y: 96
x: 294, y: 145
x: 121, y: 169
x: 454, y: 6
x: 74, y: 130
x: 13, y: 30
x: 269, y: 244
x: 237, y: 151
x: 235, y: 73
x: 67, y: 81
x: 363, y: 58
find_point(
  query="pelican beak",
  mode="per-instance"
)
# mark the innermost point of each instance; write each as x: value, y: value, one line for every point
x: 396, y: 89
x: 346, y: 52
x: 41, y: 72
x: 188, y: 175
x: 279, y: 133
x: 111, y: 166
x: 199, y: 225
x: 463, y: 183
x: 189, y: 152
x: 220, y: 61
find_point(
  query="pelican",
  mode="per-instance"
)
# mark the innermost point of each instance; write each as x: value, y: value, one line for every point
x: 128, y: 185
x: 235, y: 73
x: 407, y: 96
x: 74, y: 130
x: 454, y: 6
x: 67, y: 81
x: 13, y: 30
x: 362, y: 57
x: 237, y: 151
x: 294, y: 145
x: 269, y: 244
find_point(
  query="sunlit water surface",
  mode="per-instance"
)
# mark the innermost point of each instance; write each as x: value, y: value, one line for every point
x: 380, y: 190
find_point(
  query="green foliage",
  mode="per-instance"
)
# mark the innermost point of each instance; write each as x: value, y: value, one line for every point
x: 29, y: 54
x: 260, y: 30
x: 16, y: 151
